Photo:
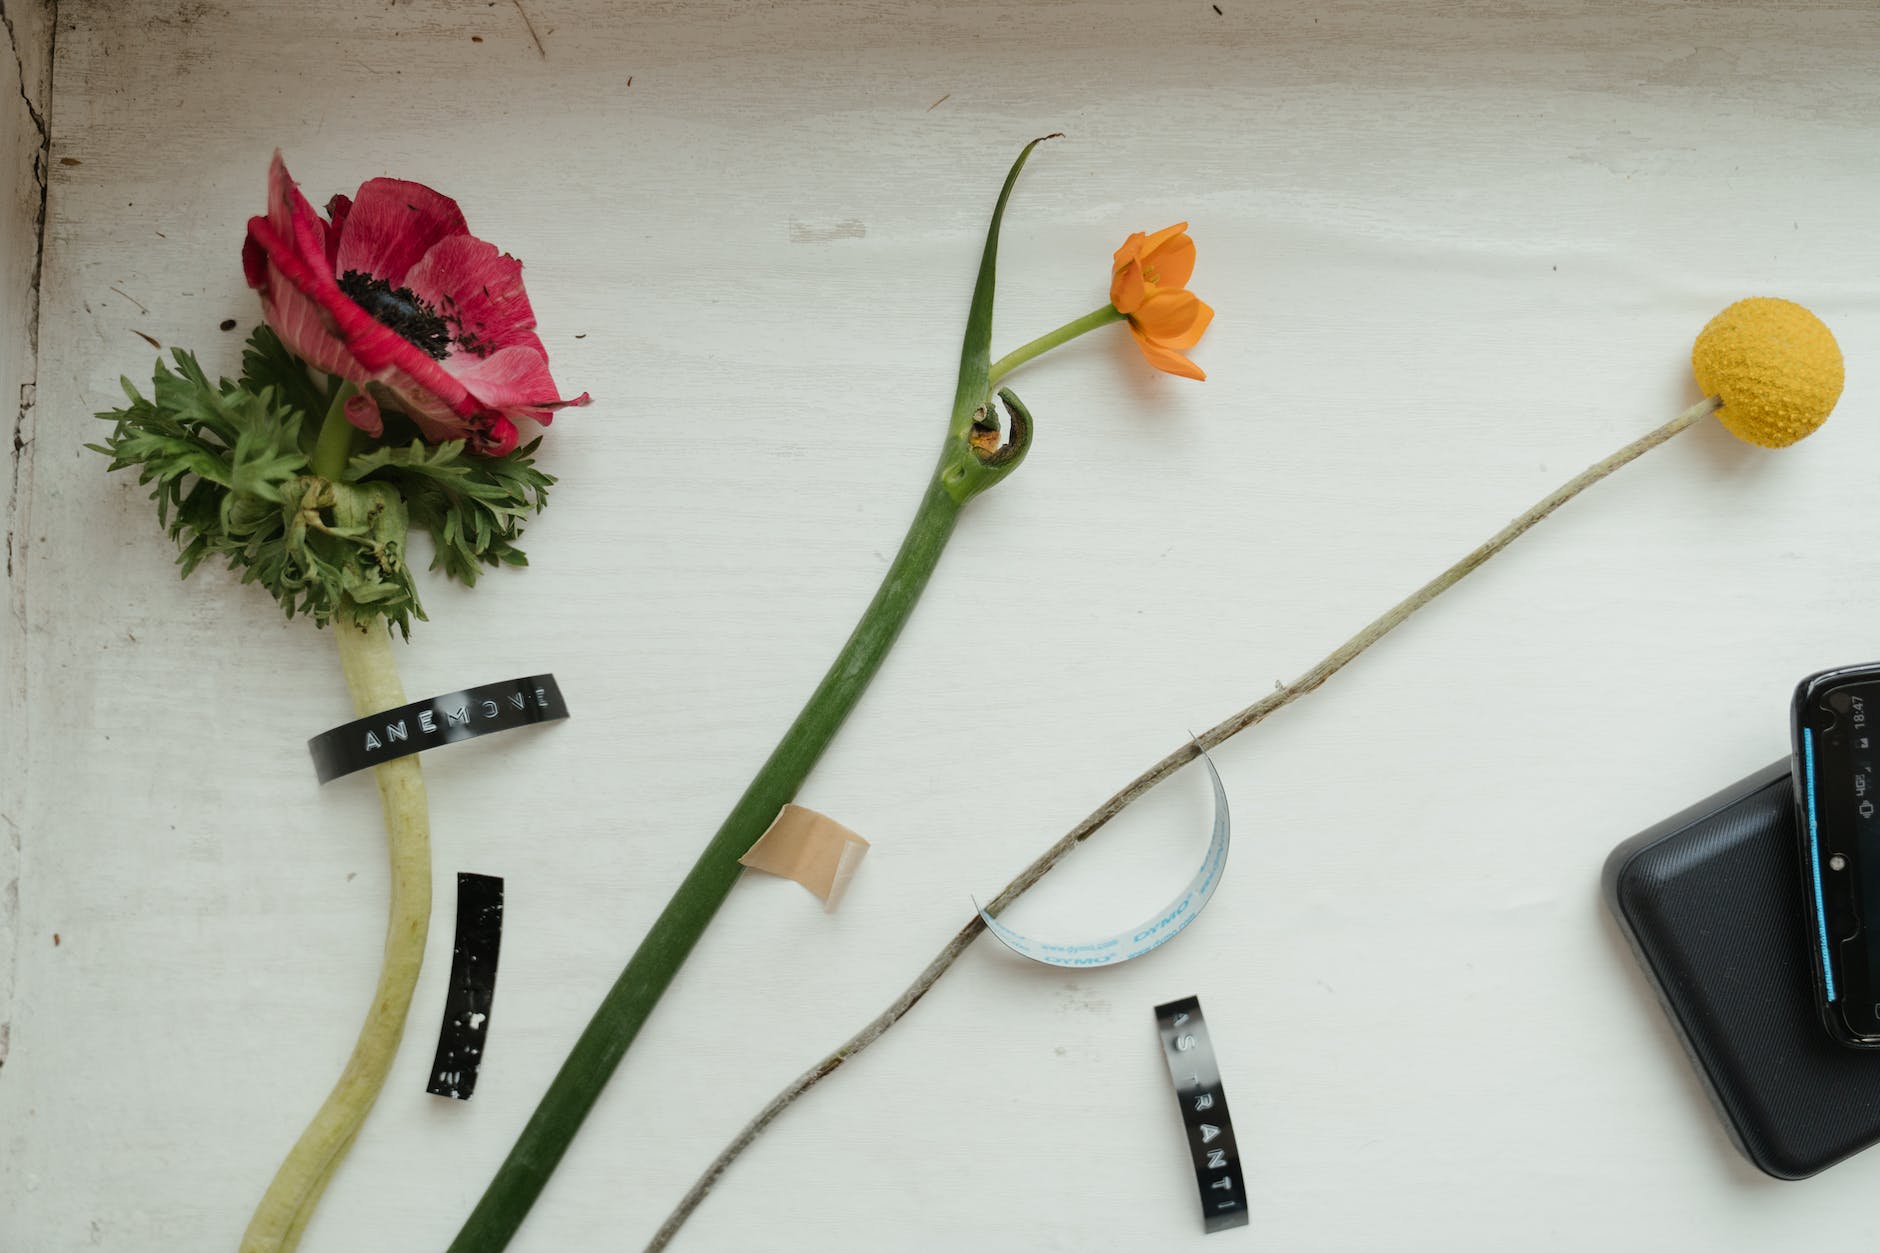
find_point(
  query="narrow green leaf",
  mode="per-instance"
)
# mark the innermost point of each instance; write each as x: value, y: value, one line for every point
x: 976, y: 347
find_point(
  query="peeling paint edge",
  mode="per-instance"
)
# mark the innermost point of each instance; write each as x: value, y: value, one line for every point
x: 19, y: 451
x: 13, y: 699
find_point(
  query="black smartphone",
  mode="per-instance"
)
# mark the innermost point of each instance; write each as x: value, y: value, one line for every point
x: 1836, y: 729
x: 1712, y: 904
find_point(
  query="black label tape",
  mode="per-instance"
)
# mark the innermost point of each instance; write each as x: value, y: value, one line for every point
x: 466, y: 1022
x: 383, y: 737
x: 1210, y: 1132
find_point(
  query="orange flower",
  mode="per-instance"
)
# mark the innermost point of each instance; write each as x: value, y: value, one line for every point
x: 1149, y: 285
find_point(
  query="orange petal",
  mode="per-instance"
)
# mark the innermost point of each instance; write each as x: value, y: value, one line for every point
x: 1175, y: 318
x: 1173, y: 263
x: 1130, y: 251
x: 1161, y: 239
x: 1127, y: 288
x: 1167, y: 359
x: 1204, y: 317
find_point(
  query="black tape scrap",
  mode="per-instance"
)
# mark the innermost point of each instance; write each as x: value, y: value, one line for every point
x: 466, y: 1024
x: 423, y: 724
x: 1210, y: 1132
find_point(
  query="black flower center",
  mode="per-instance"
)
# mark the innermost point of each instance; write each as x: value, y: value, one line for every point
x: 401, y: 310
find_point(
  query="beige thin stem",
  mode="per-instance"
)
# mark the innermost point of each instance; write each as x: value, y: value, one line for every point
x: 1337, y: 660
x: 367, y: 657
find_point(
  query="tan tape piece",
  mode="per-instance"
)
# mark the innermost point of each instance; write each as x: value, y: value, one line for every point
x: 814, y: 849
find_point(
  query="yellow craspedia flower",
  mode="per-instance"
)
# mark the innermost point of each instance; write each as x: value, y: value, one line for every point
x: 1776, y: 367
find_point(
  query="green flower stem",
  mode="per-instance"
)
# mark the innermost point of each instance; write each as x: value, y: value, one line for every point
x: 335, y: 446
x: 1045, y: 343
x: 614, y: 1026
x: 367, y: 657
x: 971, y: 460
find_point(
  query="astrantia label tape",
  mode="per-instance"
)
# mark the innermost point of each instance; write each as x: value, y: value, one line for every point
x: 1155, y: 931
x: 1205, y: 1123
x: 423, y: 724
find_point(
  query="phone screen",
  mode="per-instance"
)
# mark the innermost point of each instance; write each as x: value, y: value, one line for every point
x: 1838, y: 792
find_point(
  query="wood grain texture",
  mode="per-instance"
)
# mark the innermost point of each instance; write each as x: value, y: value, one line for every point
x: 1459, y: 251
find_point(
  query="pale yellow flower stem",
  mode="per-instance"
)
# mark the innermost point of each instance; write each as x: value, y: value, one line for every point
x: 366, y: 656
x: 1337, y: 660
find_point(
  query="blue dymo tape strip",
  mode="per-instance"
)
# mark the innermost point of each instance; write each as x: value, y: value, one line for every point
x: 1153, y: 933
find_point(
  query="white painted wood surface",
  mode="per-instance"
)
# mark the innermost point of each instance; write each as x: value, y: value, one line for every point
x: 1459, y: 251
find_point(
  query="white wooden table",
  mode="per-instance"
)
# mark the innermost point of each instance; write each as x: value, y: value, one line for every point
x: 1458, y: 251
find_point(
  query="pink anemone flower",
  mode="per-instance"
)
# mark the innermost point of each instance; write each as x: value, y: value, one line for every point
x: 392, y: 292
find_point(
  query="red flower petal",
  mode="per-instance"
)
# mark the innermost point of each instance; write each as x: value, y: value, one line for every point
x: 280, y: 197
x: 320, y: 323
x: 289, y: 302
x: 254, y: 260
x: 424, y: 386
x: 391, y: 224
x: 437, y: 420
x: 514, y: 380
x: 406, y: 234
x: 336, y: 210
x: 307, y: 331
x: 363, y: 412
x: 498, y: 439
x: 479, y: 291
